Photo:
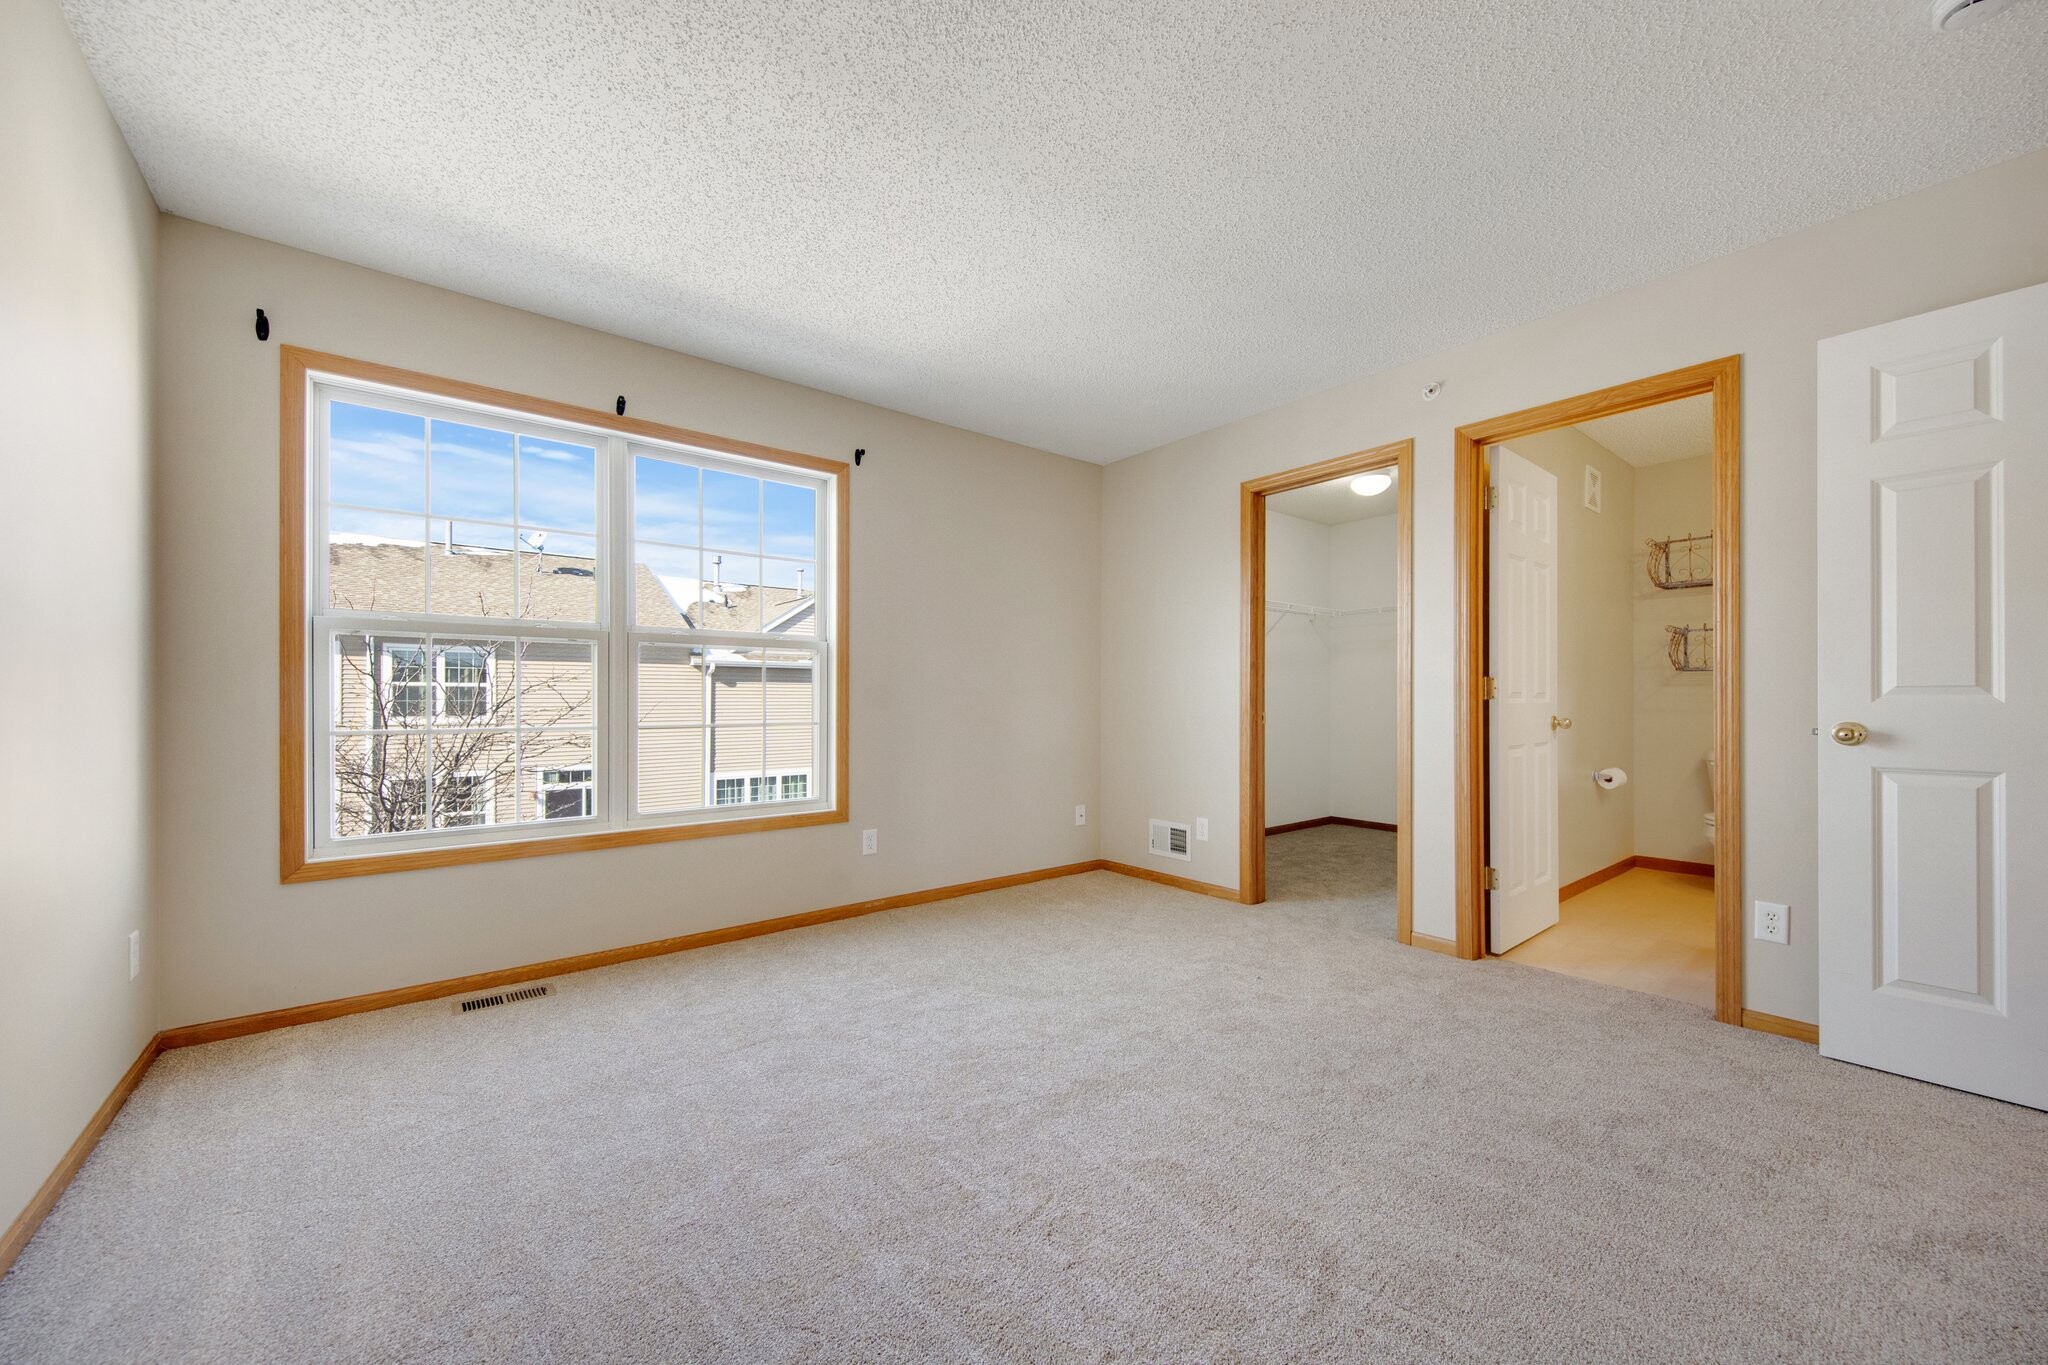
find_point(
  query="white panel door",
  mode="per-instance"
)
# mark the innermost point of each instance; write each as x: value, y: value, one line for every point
x: 1522, y: 661
x: 1933, y: 637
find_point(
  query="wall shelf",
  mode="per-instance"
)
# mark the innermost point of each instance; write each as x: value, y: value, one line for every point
x: 1691, y: 648
x: 1682, y: 562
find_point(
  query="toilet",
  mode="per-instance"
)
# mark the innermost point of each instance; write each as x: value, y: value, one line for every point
x: 1713, y: 795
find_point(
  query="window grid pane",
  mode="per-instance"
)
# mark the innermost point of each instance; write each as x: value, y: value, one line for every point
x: 468, y: 515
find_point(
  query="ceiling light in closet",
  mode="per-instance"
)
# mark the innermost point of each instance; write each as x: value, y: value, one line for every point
x: 1372, y: 485
x: 1951, y: 16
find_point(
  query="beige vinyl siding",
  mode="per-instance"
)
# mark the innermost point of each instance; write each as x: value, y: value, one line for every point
x: 671, y: 686
x: 736, y: 750
x: 671, y: 770
x: 791, y: 748
x: 556, y: 685
x: 789, y: 696
x: 736, y: 691
x: 739, y: 750
x: 746, y: 698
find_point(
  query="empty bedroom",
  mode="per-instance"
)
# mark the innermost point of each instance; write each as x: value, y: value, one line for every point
x: 896, y: 682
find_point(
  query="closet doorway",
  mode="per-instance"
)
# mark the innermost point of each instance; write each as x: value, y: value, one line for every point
x: 1348, y: 622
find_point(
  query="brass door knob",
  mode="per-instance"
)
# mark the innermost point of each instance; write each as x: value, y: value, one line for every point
x: 1850, y: 732
x: 1560, y: 722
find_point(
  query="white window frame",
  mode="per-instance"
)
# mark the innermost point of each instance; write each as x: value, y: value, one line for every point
x: 615, y: 637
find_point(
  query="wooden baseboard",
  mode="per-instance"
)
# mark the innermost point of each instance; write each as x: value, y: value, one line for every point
x: 29, y: 1219
x: 1674, y: 865
x: 1634, y: 860
x: 1587, y: 883
x: 1168, y: 879
x: 1783, y: 1027
x: 242, y: 1025
x: 1434, y: 944
x: 217, y: 1030
x: 1322, y: 820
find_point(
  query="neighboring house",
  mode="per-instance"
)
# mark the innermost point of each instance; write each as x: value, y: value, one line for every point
x: 461, y: 729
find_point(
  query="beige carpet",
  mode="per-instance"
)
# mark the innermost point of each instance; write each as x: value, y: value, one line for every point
x: 1090, y: 1119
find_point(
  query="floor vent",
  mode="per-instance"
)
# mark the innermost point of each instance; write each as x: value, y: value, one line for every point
x: 511, y: 997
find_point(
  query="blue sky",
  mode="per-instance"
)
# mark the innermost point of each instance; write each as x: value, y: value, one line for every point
x: 380, y: 459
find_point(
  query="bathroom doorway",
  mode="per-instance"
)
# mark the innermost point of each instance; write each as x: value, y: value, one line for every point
x: 1600, y: 652
x: 1617, y: 579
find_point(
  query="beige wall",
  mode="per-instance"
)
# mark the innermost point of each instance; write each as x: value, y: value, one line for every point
x: 1364, y: 561
x: 1674, y: 712
x: 975, y: 568
x: 1298, y: 748
x: 1169, y: 713
x: 1595, y: 670
x: 1330, y: 685
x: 77, y: 255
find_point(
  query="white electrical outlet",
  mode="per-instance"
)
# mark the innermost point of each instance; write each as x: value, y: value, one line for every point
x: 134, y: 953
x: 869, y: 842
x: 1773, y: 922
x: 1201, y: 827
x: 1080, y: 815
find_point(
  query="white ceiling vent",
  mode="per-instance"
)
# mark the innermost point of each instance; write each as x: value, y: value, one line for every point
x: 1170, y: 840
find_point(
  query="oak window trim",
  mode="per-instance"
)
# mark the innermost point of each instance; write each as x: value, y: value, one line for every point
x: 297, y: 369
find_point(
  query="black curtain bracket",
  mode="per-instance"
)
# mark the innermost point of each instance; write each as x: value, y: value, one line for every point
x: 620, y: 406
x: 262, y: 326
x: 858, y: 454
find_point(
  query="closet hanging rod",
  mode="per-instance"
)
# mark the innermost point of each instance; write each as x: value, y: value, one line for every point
x: 1301, y: 609
x: 1283, y: 610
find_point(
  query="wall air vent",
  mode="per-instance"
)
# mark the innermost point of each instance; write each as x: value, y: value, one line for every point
x: 495, y: 998
x: 1170, y: 840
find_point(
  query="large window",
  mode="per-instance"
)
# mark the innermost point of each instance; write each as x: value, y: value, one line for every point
x: 528, y: 623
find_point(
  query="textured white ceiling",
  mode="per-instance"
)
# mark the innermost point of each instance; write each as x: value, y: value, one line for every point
x: 1333, y: 503
x: 1658, y: 435
x: 1087, y: 227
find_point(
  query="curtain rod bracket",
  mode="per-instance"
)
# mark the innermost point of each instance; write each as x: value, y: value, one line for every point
x: 620, y: 406
x: 262, y: 326
x: 857, y: 456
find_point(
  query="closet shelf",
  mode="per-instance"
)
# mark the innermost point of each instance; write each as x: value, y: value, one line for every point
x: 1682, y: 561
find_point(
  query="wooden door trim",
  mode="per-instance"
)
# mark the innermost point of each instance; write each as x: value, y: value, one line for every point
x: 1722, y: 381
x: 1251, y: 804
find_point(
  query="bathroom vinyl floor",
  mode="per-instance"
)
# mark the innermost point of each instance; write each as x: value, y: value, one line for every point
x: 1648, y: 931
